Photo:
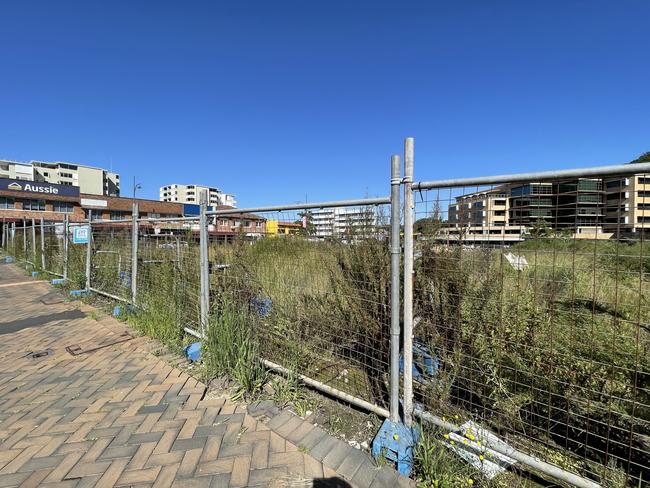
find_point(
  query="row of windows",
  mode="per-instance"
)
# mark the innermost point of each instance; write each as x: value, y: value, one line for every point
x: 247, y: 223
x: 34, y: 205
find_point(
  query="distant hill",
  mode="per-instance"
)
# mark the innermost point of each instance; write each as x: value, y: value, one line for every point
x: 644, y: 158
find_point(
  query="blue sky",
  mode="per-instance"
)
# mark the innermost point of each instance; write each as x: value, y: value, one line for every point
x: 278, y: 101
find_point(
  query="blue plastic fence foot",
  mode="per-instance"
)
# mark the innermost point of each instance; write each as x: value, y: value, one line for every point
x: 193, y: 351
x: 58, y: 281
x: 35, y: 274
x: 395, y: 442
x: 9, y: 259
x: 121, y: 309
x: 79, y: 293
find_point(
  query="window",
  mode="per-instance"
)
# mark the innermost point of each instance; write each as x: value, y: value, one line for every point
x: 644, y: 180
x: 223, y: 222
x: 64, y: 207
x: 6, y: 202
x: 643, y: 220
x: 644, y: 194
x: 34, y: 205
x: 499, y: 213
x: 259, y: 224
x: 247, y: 223
x: 97, y: 214
x: 153, y: 215
x: 499, y: 202
x: 66, y: 175
x: 614, y: 183
x: 119, y: 214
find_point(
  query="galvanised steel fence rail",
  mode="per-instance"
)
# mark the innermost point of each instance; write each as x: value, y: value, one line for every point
x: 515, y: 305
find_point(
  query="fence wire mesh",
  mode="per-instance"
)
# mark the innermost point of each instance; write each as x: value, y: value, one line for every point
x: 316, y: 283
x: 168, y: 278
x: 53, y: 235
x: 532, y: 309
x: 111, y: 269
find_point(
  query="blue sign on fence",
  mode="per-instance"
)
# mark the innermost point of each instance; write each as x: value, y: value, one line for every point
x: 80, y: 234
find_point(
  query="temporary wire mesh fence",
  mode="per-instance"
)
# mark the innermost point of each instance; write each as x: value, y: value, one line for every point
x: 111, y: 271
x: 530, y: 303
x: 531, y: 307
x: 168, y: 277
x: 317, y: 284
x: 53, y: 235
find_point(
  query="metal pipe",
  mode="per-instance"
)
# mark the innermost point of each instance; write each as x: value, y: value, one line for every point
x: 194, y: 333
x: 395, y: 182
x: 89, y: 248
x: 328, y: 389
x: 615, y: 170
x: 24, y: 239
x: 134, y: 252
x: 66, y: 229
x: 109, y: 295
x: 42, y: 244
x: 4, y: 232
x: 203, y: 261
x: 172, y: 219
x: 513, y: 453
x: 408, y: 282
x: 34, y: 241
x: 302, y: 206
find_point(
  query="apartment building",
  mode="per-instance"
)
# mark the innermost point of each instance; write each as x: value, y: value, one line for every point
x: 88, y: 179
x: 342, y: 221
x: 482, y: 215
x: 192, y: 194
x: 627, y: 204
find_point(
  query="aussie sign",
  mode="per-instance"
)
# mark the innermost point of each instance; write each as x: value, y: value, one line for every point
x: 38, y: 187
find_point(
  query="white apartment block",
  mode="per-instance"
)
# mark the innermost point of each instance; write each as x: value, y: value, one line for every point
x: 192, y: 194
x: 89, y: 179
x: 341, y: 221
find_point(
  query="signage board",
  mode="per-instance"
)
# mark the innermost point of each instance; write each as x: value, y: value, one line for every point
x: 93, y: 202
x: 38, y: 187
x: 80, y: 234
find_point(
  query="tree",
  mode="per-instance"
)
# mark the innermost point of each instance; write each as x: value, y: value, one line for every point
x: 644, y: 158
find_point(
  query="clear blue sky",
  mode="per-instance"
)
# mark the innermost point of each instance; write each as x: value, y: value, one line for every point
x: 273, y: 100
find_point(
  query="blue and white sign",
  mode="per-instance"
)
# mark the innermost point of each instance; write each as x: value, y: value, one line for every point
x: 38, y: 187
x: 80, y: 234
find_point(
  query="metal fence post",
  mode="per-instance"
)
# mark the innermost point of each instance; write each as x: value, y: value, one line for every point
x: 408, y: 281
x: 89, y: 249
x: 42, y: 244
x: 4, y: 233
x: 24, y: 239
x: 135, y: 213
x: 13, y: 238
x: 395, y: 183
x: 203, y: 259
x: 34, y: 242
x: 66, y: 229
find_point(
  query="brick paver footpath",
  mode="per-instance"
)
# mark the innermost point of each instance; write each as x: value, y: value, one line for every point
x: 82, y: 403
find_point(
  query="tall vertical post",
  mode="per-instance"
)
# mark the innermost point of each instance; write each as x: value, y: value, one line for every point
x: 135, y: 214
x: 13, y: 238
x: 34, y: 242
x: 204, y: 263
x: 408, y: 281
x: 66, y: 230
x: 24, y: 239
x: 4, y: 233
x: 89, y: 249
x: 395, y: 182
x: 42, y: 244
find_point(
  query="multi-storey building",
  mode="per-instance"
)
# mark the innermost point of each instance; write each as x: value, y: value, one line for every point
x: 627, y: 204
x: 342, y: 221
x: 192, y: 194
x: 88, y: 179
x: 482, y: 215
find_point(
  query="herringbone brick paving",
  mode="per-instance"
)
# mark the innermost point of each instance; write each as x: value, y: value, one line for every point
x: 119, y: 416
